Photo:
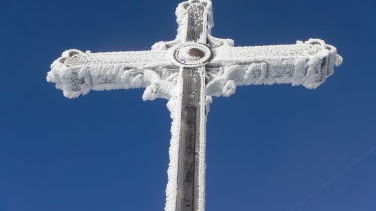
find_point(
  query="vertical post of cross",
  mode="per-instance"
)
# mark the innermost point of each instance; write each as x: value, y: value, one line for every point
x: 192, y: 55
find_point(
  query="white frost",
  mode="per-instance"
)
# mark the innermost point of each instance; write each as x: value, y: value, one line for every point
x: 174, y: 105
x: 307, y: 63
x: 77, y: 73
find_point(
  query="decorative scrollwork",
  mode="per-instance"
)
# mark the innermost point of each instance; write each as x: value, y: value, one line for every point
x: 73, y: 57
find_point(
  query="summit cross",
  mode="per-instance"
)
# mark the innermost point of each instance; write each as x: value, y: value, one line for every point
x: 188, y: 72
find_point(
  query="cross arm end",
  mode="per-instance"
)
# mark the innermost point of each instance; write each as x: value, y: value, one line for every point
x: 77, y: 73
x: 307, y: 63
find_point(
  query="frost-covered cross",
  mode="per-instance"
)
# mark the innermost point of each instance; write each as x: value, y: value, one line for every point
x: 188, y: 72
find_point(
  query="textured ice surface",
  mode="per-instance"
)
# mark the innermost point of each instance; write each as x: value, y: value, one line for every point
x: 307, y: 63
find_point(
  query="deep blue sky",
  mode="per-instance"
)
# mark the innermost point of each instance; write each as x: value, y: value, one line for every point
x: 268, y: 146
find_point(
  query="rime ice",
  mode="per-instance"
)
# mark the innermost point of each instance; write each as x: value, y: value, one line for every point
x: 221, y: 68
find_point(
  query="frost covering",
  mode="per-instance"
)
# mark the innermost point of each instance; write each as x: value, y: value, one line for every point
x: 307, y: 63
x: 77, y: 73
x: 174, y: 106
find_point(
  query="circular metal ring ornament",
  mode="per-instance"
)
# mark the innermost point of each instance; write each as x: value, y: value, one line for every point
x: 192, y: 54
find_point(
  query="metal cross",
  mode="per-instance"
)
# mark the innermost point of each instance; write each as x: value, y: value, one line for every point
x: 188, y: 72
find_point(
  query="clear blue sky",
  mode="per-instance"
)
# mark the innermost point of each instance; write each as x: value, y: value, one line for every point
x: 268, y: 146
